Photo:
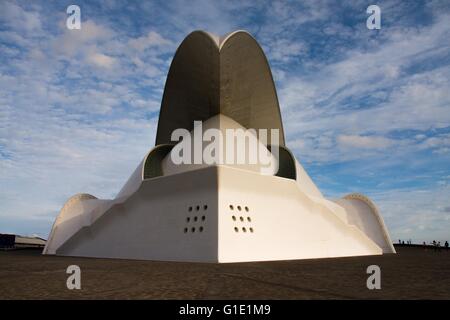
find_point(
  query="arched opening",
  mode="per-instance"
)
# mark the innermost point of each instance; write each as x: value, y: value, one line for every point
x: 152, y: 165
x: 286, y: 163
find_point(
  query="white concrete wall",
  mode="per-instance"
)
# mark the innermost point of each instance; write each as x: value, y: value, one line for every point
x: 367, y: 219
x: 286, y: 223
x: 150, y: 224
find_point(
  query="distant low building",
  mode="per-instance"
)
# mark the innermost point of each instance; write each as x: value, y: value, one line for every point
x: 12, y: 241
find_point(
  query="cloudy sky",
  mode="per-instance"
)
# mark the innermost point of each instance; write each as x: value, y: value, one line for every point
x: 364, y: 110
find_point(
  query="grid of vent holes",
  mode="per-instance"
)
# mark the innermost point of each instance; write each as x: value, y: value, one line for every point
x: 193, y: 221
x: 241, y: 215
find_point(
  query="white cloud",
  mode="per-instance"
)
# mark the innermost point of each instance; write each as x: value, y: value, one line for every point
x: 19, y: 19
x: 364, y: 142
x: 72, y: 42
x: 331, y: 100
x: 101, y: 60
x: 417, y: 214
x: 284, y: 50
x: 152, y: 39
x: 439, y: 144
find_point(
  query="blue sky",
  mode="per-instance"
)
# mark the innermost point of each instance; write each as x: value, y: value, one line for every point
x: 364, y: 110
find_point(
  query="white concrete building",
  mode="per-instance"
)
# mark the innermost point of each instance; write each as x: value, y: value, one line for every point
x: 215, y: 212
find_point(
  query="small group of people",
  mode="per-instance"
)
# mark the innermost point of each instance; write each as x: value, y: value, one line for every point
x: 436, y: 245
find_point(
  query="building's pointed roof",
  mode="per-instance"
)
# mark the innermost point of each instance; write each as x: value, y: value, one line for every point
x: 211, y: 75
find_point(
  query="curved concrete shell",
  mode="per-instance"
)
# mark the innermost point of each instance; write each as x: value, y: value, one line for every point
x: 363, y: 213
x: 209, y: 76
x: 222, y: 123
x: 213, y: 211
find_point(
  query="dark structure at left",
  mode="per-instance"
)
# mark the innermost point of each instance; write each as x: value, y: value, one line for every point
x: 13, y: 241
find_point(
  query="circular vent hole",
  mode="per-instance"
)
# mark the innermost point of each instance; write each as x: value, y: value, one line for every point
x: 236, y: 229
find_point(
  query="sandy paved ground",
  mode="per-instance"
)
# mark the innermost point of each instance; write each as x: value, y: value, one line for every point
x: 413, y: 273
